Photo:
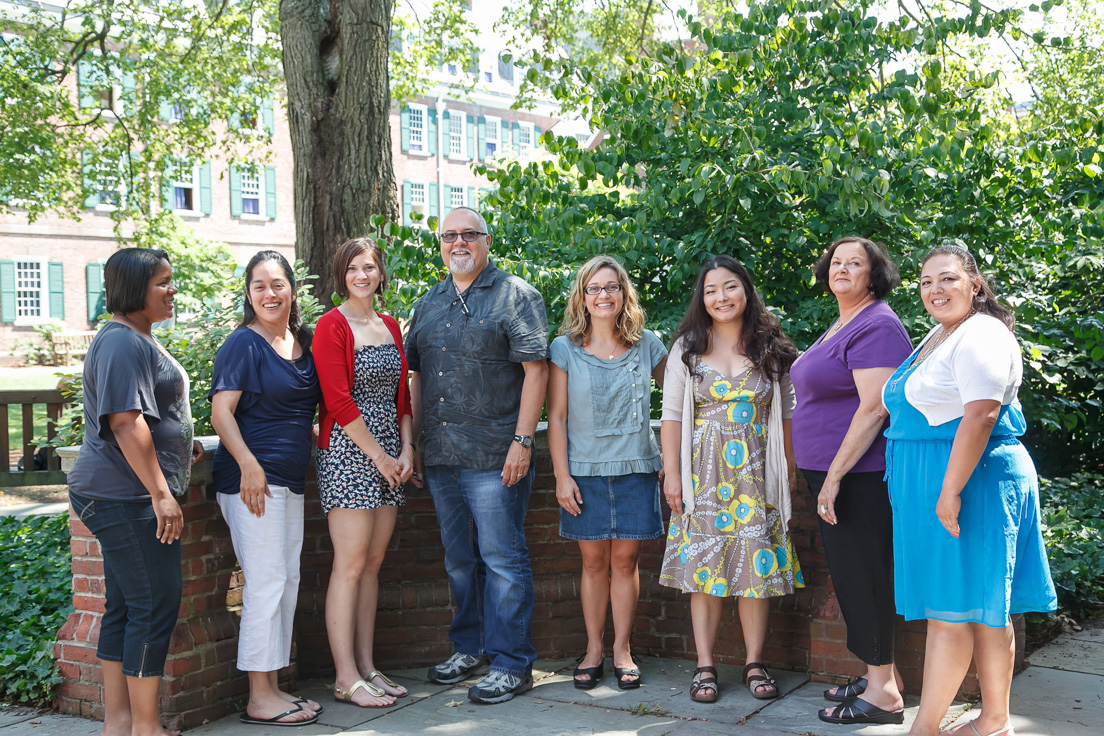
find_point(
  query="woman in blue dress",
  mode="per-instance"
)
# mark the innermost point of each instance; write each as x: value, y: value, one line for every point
x: 968, y: 548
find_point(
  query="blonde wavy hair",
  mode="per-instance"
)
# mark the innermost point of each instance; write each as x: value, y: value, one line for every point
x: 576, y: 322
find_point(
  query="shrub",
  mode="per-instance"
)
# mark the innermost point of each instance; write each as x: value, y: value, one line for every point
x: 35, y: 600
x: 39, y: 350
x: 1073, y: 528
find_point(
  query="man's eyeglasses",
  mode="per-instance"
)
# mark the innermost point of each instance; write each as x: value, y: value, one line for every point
x: 468, y: 236
x: 608, y: 288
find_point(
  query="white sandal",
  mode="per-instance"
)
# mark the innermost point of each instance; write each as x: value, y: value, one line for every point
x: 388, y: 682
x: 346, y: 696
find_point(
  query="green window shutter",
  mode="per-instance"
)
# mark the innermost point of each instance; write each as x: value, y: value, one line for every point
x: 164, y: 109
x: 129, y: 85
x: 471, y: 137
x: 433, y: 209
x: 517, y: 137
x: 95, y: 290
x: 205, y: 188
x: 431, y: 132
x: 91, y: 191
x: 471, y: 197
x: 270, y: 192
x: 167, y: 202
x: 86, y: 87
x: 481, y: 140
x: 235, y: 120
x: 7, y: 291
x: 239, y: 271
x: 536, y: 135
x: 406, y: 205
x: 404, y: 124
x: 235, y: 193
x: 268, y: 117
x: 56, y: 273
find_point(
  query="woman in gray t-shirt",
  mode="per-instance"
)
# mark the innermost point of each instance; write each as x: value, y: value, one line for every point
x: 604, y: 453
x: 135, y: 460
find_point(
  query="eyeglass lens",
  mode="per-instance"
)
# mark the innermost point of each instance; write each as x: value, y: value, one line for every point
x: 608, y: 288
x: 468, y: 236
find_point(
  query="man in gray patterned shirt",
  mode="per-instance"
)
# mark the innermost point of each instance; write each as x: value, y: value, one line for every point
x: 477, y: 348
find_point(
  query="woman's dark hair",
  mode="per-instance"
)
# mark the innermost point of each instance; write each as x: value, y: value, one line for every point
x: 985, y: 302
x: 127, y: 274
x: 303, y: 334
x: 883, y: 271
x: 764, y: 342
x: 349, y: 250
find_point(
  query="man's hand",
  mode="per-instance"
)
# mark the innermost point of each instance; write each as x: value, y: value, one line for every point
x: 517, y: 464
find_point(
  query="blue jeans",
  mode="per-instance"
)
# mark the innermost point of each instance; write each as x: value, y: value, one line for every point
x: 141, y: 580
x: 483, y: 531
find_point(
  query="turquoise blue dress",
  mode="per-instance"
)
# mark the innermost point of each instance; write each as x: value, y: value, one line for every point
x: 998, y: 565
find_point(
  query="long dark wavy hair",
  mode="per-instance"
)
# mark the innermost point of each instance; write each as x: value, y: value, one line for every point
x: 762, y: 338
x: 303, y: 334
x: 985, y: 301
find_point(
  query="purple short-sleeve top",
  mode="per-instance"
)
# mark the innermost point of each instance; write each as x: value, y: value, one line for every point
x: 827, y: 398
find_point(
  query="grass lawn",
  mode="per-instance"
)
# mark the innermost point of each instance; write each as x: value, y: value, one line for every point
x: 35, y: 378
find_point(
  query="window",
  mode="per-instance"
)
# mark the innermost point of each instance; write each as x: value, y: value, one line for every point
x: 418, y: 195
x: 525, y: 136
x: 29, y: 288
x: 184, y: 188
x: 505, y: 68
x: 251, y: 193
x: 488, y: 76
x: 451, y: 69
x: 457, y: 197
x: 178, y: 111
x: 456, y: 134
x: 417, y: 117
x: 109, y: 187
x: 492, y: 137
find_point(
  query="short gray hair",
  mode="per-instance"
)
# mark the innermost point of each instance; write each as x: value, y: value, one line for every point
x: 478, y: 218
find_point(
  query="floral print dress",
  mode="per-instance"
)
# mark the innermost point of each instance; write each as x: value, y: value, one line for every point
x: 734, y: 544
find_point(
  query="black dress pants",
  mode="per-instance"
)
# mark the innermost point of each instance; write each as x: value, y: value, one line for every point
x: 860, y: 558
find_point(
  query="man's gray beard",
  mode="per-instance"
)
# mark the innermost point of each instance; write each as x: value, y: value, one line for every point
x: 461, y: 269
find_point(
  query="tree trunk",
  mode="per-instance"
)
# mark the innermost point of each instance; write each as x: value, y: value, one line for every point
x: 339, y: 104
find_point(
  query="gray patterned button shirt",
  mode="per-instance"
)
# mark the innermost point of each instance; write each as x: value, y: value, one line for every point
x: 469, y: 363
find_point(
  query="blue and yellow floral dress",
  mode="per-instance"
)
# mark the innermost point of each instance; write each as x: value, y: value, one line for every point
x: 734, y: 544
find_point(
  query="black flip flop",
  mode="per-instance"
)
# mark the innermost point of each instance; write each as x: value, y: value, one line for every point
x: 275, y: 720
x: 858, y: 710
x: 843, y: 693
x: 305, y: 704
x: 620, y: 672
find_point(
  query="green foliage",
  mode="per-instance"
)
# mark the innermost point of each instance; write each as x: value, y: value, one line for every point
x: 35, y: 600
x: 1073, y: 528
x: 423, y: 43
x: 39, y: 350
x: 774, y: 131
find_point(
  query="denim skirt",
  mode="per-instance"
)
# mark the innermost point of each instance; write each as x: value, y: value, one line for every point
x: 615, y: 507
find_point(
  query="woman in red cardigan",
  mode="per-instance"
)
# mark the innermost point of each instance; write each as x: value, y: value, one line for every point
x: 364, y: 457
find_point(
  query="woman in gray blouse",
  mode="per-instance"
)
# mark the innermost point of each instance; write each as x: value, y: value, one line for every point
x: 604, y: 453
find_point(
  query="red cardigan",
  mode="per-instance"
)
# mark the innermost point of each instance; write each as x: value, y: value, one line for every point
x: 333, y: 359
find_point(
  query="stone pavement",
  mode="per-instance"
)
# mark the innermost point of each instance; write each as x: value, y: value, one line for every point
x: 1061, y: 693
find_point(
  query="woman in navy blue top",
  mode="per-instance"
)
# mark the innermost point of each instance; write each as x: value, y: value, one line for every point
x: 263, y: 396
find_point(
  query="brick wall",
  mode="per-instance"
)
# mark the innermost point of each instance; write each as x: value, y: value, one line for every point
x: 807, y: 632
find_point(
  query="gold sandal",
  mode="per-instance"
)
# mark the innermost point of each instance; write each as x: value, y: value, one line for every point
x: 346, y: 696
x: 388, y: 682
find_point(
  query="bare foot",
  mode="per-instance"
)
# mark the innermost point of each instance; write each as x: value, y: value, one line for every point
x: 308, y: 704
x: 397, y: 690
x: 264, y: 707
x: 625, y: 662
x: 983, y: 726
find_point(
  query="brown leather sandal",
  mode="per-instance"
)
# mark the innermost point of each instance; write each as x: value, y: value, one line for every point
x: 704, y: 687
x: 755, y: 682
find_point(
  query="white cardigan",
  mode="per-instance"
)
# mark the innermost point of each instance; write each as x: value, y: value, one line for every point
x: 678, y: 403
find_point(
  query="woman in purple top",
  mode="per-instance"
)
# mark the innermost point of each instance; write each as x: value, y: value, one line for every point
x: 838, y: 444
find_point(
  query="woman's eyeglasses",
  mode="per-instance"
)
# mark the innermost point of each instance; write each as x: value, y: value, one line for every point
x: 468, y: 236
x: 608, y: 288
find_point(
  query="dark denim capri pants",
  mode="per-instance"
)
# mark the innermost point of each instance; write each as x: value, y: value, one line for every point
x: 615, y: 507
x: 142, y: 582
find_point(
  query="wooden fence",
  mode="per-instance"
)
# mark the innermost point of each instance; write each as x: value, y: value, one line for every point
x: 28, y: 400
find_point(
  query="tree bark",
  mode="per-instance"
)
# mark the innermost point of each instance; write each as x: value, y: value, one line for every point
x: 339, y: 104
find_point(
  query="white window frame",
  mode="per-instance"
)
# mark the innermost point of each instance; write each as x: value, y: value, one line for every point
x: 43, y: 292
x: 423, y: 132
x: 522, y: 145
x: 120, y: 190
x: 246, y: 176
x: 462, y: 117
x: 454, y: 201
x: 490, y: 122
x: 419, y: 201
x: 193, y: 184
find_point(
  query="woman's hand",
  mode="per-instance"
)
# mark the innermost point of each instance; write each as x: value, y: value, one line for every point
x: 254, y: 487
x: 406, y: 462
x: 826, y: 501
x: 390, y: 468
x: 197, y: 451
x: 170, y: 519
x: 418, y: 476
x: 672, y: 491
x: 568, y: 495
x: 947, y: 509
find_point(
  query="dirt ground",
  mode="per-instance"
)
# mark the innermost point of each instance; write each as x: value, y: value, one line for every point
x: 33, y: 494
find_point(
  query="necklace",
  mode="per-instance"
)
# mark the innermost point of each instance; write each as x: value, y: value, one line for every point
x: 841, y: 321
x: 938, y: 340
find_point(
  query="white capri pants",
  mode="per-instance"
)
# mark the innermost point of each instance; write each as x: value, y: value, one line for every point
x: 268, y: 550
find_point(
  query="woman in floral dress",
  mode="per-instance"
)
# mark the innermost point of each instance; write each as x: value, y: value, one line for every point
x: 728, y: 466
x: 364, y: 458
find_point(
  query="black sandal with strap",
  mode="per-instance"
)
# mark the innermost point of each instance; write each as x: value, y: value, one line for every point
x: 705, y: 679
x: 594, y: 673
x: 843, y: 693
x: 754, y: 682
x: 860, y: 711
